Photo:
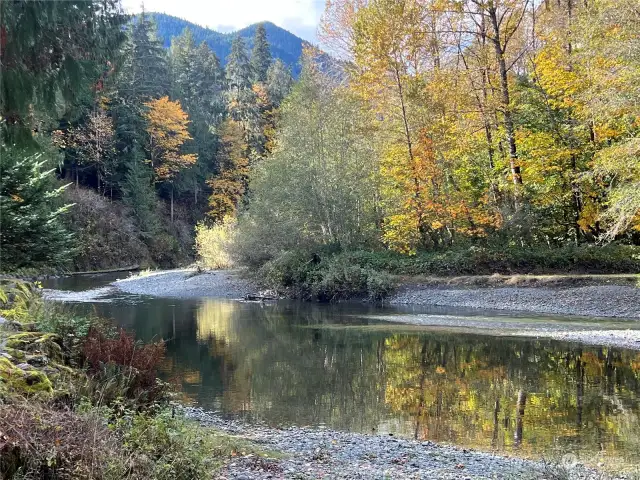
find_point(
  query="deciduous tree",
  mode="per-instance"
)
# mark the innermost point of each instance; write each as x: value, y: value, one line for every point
x: 167, y: 129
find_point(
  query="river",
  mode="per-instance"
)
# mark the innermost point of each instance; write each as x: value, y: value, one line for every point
x: 347, y: 367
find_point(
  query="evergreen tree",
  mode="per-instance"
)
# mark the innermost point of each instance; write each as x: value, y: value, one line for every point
x: 260, y: 55
x: 211, y: 81
x: 149, y: 69
x: 198, y: 82
x: 184, y: 71
x: 238, y: 68
x: 206, y: 116
x: 139, y: 194
x: 279, y: 82
x: 243, y: 103
x: 52, y: 54
x: 143, y: 74
x: 31, y: 231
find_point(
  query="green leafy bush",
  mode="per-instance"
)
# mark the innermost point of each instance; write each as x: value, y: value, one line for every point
x: 324, y: 277
x: 477, y: 260
x: 337, y: 282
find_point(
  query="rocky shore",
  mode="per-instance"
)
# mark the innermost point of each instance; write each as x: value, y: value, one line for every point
x: 187, y: 283
x: 592, y: 301
x: 321, y: 453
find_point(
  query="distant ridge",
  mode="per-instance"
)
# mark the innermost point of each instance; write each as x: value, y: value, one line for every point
x: 284, y: 45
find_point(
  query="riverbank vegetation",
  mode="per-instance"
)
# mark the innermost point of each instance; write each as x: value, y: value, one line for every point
x: 79, y: 399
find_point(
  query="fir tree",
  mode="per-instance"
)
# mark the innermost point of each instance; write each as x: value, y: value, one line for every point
x: 31, y: 230
x: 238, y: 68
x: 139, y: 194
x: 142, y: 75
x: 149, y: 69
x: 260, y: 55
x: 53, y: 54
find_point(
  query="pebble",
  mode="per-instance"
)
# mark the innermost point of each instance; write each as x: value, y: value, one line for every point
x: 592, y: 301
x: 313, y: 453
x: 186, y: 284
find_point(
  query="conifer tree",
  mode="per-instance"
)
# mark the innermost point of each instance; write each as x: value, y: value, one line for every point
x: 52, y: 54
x: 31, y: 231
x: 279, y: 82
x: 260, y: 55
x: 149, y: 68
x: 142, y: 75
x: 242, y: 99
x: 238, y: 68
x: 139, y: 194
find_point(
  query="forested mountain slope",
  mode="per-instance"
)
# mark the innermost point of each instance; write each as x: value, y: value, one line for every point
x: 284, y: 45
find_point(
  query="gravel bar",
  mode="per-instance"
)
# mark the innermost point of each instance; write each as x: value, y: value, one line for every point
x: 591, y: 301
x: 321, y: 453
x: 187, y: 283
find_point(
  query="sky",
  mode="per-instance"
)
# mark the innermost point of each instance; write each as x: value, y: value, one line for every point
x: 298, y: 16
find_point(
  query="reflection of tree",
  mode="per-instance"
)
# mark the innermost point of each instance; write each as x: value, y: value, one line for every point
x: 475, y: 391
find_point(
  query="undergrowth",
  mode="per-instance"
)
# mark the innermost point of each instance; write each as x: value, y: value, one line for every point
x: 324, y: 279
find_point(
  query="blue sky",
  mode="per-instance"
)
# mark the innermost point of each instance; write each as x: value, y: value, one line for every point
x: 298, y: 16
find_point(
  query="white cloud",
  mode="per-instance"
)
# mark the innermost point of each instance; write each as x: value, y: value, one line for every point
x: 298, y: 16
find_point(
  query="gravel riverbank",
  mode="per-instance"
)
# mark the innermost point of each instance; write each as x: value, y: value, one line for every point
x: 590, y: 301
x: 187, y: 283
x: 320, y: 453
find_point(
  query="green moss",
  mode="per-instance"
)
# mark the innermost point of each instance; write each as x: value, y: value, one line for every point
x: 17, y: 354
x: 26, y: 382
x: 32, y: 342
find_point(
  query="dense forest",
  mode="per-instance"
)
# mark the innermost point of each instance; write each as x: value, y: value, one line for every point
x: 450, y: 137
x: 113, y: 147
x: 283, y: 44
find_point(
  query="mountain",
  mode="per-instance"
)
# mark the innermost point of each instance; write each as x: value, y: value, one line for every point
x: 284, y: 45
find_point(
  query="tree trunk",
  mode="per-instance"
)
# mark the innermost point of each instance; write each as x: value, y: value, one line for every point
x: 577, y: 197
x: 195, y: 192
x: 172, y: 203
x: 407, y: 133
x: 506, y: 104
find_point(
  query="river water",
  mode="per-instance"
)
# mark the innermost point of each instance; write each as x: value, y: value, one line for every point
x: 344, y: 367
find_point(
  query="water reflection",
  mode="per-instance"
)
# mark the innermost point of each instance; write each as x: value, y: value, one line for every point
x: 309, y: 364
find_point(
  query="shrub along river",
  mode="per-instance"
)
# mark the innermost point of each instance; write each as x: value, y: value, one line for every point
x: 291, y: 363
